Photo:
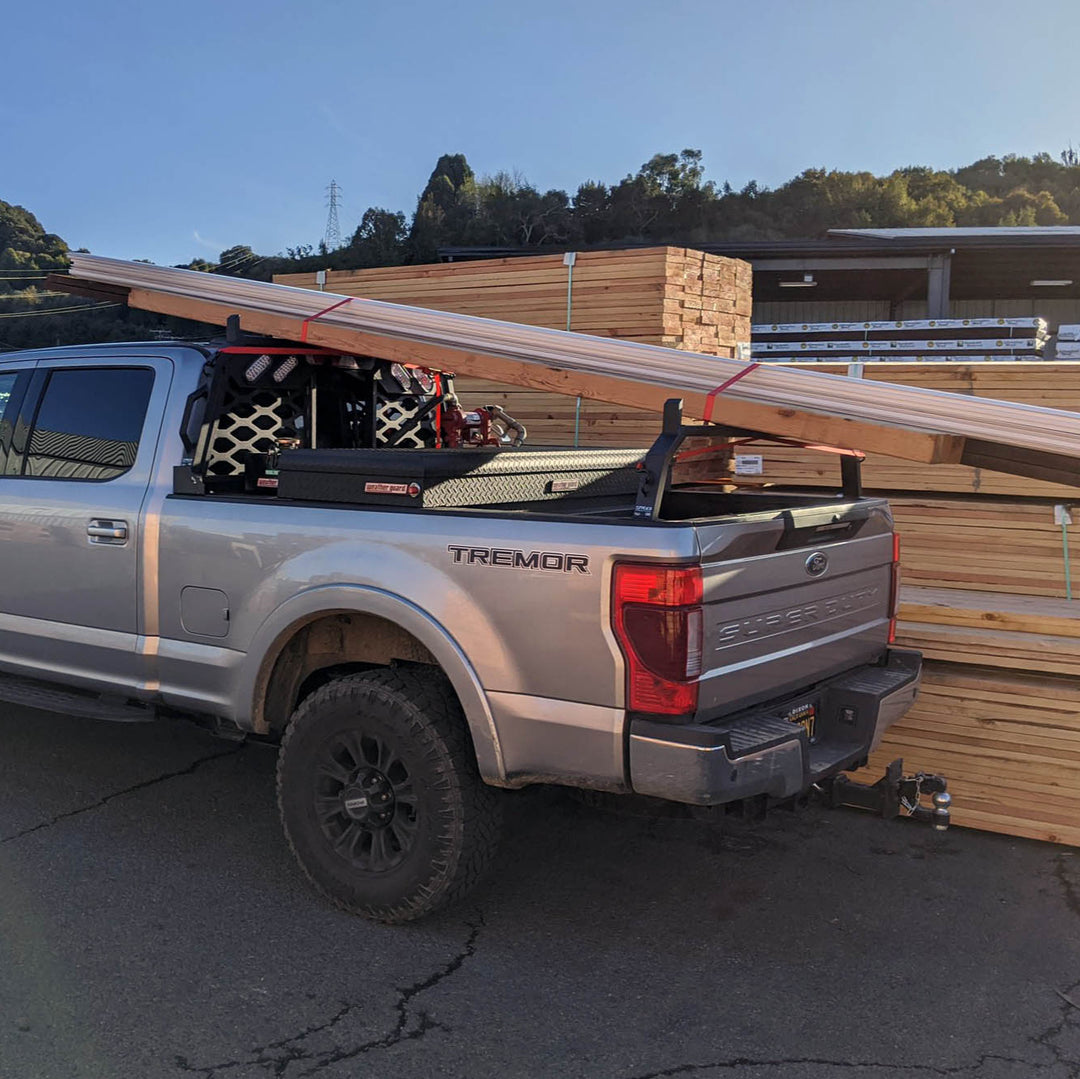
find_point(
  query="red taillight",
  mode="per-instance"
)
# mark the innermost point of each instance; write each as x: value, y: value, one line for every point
x: 894, y: 595
x: 657, y: 618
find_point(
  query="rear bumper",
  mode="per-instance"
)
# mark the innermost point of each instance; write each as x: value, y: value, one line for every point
x: 760, y: 752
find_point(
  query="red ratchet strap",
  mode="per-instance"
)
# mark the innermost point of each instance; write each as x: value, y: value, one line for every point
x: 319, y: 314
x: 711, y: 399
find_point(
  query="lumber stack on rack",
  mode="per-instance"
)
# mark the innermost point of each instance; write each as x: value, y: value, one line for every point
x: 659, y: 295
x: 916, y: 341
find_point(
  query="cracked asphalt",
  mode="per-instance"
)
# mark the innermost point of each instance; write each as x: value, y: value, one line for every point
x: 152, y: 924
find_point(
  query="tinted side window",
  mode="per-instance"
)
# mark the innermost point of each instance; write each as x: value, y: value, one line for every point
x: 7, y: 384
x: 88, y: 424
x: 13, y: 386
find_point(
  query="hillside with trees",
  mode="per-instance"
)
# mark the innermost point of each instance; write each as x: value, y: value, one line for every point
x: 668, y: 200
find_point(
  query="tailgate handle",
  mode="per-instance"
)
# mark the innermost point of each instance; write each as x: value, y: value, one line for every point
x: 101, y: 530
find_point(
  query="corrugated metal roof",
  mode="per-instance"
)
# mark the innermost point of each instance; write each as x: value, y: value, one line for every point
x: 1001, y: 232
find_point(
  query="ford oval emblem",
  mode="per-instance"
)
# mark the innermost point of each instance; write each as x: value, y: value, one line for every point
x: 817, y: 564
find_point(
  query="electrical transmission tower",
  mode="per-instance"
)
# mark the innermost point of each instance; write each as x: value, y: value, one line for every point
x: 332, y: 239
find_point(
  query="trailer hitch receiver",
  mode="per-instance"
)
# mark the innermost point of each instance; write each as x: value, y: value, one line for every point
x: 894, y: 795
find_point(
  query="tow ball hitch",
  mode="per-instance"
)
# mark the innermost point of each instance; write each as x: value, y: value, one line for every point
x: 893, y: 795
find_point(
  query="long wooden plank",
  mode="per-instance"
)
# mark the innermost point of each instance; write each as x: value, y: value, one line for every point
x: 787, y: 421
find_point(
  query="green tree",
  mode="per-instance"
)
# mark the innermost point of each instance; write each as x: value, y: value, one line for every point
x: 380, y: 238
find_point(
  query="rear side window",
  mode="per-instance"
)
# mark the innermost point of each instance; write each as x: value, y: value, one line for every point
x: 7, y: 384
x: 12, y: 389
x: 88, y: 424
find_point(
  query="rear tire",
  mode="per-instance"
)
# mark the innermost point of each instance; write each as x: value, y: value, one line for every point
x: 380, y: 796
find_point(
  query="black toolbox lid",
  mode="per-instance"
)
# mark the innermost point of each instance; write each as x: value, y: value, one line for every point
x: 430, y: 466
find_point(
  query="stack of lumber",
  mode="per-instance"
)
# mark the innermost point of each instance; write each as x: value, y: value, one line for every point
x: 660, y: 295
x: 1016, y: 633
x: 915, y: 341
x: 986, y: 574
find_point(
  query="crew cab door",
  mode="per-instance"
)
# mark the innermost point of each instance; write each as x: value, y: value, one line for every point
x: 77, y: 444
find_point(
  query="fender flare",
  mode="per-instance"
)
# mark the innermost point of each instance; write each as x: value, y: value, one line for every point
x: 272, y: 636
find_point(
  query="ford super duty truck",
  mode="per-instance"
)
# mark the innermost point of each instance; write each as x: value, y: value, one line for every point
x: 329, y: 552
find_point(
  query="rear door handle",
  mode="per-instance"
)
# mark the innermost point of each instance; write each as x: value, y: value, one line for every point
x: 105, y: 530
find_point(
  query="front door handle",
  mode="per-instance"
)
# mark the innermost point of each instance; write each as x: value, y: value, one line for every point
x: 105, y: 530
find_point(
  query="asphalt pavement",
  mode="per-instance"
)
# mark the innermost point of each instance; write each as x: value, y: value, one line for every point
x: 152, y: 923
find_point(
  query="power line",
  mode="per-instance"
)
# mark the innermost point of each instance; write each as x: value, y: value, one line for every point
x: 332, y: 239
x: 59, y: 310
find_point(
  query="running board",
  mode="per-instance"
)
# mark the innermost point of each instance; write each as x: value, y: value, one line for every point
x: 72, y: 702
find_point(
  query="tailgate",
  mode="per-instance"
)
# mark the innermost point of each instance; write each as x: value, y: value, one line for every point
x: 791, y: 600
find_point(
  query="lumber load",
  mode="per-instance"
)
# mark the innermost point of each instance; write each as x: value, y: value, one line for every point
x: 908, y: 422
x: 1008, y: 741
x: 667, y: 296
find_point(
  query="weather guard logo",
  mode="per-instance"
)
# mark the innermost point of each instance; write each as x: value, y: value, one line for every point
x: 551, y: 561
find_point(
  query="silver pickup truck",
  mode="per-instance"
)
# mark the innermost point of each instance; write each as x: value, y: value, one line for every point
x: 280, y: 542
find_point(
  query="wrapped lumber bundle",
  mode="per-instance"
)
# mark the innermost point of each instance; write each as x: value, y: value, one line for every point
x: 1009, y: 741
x: 917, y: 341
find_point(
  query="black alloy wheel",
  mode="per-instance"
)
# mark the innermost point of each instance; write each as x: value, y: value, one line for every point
x: 365, y: 800
x: 380, y: 796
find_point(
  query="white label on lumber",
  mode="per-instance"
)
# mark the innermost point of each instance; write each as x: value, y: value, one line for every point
x: 749, y: 464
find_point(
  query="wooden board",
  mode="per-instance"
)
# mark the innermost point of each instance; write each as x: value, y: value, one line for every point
x: 990, y: 610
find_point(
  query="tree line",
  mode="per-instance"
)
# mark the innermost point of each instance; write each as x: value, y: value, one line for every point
x: 668, y: 200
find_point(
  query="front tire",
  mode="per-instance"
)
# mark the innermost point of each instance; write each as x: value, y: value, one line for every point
x: 380, y: 796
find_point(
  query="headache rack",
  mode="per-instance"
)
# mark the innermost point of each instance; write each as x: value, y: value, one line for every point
x: 292, y: 421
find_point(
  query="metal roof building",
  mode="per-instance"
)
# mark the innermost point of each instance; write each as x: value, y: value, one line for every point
x: 870, y: 274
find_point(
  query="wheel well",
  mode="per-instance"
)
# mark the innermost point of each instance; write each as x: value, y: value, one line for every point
x: 308, y: 655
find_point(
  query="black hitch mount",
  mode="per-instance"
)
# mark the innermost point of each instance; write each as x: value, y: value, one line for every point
x: 893, y: 795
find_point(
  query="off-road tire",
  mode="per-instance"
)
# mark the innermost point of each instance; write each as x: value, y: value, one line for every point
x: 454, y: 815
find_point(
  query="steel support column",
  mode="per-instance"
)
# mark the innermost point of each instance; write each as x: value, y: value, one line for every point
x: 938, y: 280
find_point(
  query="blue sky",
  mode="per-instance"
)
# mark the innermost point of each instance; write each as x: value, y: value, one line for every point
x: 167, y: 130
